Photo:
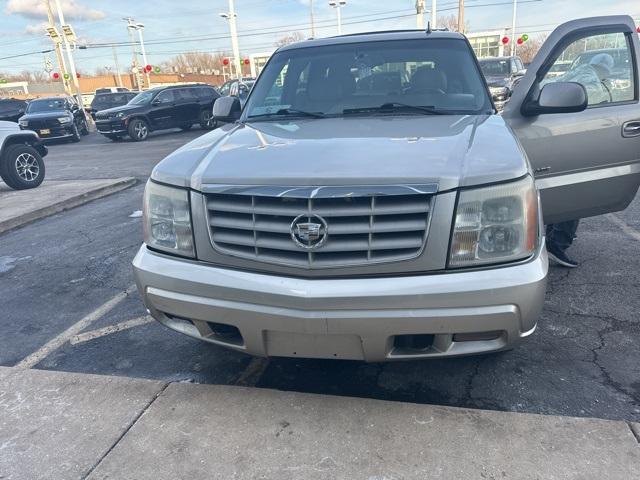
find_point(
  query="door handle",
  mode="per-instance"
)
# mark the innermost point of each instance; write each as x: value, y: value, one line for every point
x: 631, y: 129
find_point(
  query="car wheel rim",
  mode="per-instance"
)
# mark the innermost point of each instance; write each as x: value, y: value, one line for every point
x: 141, y: 130
x: 208, y: 120
x: 27, y: 167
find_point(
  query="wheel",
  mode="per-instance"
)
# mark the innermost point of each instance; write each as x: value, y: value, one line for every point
x: 76, y: 133
x: 207, y: 121
x: 138, y: 130
x: 186, y: 126
x: 84, y: 127
x: 21, y: 167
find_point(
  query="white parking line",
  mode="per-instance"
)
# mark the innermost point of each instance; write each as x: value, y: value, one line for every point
x: 55, y: 343
x: 118, y: 327
x: 632, y: 232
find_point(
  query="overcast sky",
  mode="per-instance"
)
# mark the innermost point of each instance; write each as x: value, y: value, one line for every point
x: 173, y: 26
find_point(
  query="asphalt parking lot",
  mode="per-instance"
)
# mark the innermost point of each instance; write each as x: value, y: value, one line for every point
x: 61, y: 273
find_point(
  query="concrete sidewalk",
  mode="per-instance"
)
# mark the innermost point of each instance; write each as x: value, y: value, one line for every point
x: 20, y: 207
x: 69, y: 426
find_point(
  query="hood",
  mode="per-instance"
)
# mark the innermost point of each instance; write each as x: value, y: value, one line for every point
x: 498, y: 80
x: 8, y: 126
x: 45, y: 115
x: 450, y: 150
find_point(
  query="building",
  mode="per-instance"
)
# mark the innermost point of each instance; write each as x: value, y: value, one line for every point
x: 489, y: 44
x: 258, y: 61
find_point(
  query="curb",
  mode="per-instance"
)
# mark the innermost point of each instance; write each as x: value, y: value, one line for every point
x: 67, y: 204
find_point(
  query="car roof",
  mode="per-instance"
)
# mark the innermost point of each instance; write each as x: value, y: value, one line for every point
x: 494, y: 58
x: 372, y: 37
x: 50, y: 98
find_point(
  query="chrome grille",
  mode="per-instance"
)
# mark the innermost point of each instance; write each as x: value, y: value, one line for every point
x: 361, y: 229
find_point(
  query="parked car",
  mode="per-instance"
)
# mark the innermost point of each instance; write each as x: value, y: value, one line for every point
x: 21, y: 153
x: 177, y: 106
x: 390, y: 225
x: 55, y: 118
x: 100, y: 91
x: 225, y: 88
x: 103, y: 101
x: 501, y: 74
x: 11, y: 109
x: 240, y: 89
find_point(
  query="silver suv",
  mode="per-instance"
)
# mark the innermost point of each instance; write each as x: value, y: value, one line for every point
x: 368, y: 203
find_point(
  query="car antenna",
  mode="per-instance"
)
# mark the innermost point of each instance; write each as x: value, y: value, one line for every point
x: 428, y: 28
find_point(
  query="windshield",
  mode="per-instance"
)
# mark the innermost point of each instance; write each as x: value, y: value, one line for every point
x: 398, y: 75
x: 36, y: 106
x: 144, y: 97
x: 495, y: 67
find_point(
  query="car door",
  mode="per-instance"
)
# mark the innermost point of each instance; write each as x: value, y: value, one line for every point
x: 585, y: 162
x: 188, y: 106
x: 162, y: 113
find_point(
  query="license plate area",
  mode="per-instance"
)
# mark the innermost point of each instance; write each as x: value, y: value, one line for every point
x: 288, y: 344
x: 44, y: 131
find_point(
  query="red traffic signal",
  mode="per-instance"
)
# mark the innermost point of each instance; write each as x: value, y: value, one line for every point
x: 247, y: 61
x: 77, y: 75
x: 520, y: 41
x: 56, y: 75
x: 505, y: 40
x: 148, y: 68
x: 225, y: 61
x: 638, y: 29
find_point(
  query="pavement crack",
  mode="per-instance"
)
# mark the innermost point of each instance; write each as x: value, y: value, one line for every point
x: 127, y: 429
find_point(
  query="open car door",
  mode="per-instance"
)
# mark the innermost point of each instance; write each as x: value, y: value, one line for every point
x: 576, y: 113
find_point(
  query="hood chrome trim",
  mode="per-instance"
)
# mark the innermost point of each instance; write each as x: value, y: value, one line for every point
x: 322, y: 191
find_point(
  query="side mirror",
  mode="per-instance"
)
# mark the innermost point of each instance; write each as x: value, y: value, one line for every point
x: 226, y: 109
x: 155, y: 102
x: 558, y: 97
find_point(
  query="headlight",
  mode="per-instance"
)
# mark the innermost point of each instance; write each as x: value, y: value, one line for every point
x: 64, y: 119
x: 119, y: 115
x: 495, y: 224
x: 23, y: 123
x: 499, y: 93
x: 167, y: 219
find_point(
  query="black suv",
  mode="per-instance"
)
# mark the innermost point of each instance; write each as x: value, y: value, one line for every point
x: 103, y: 101
x: 158, y: 109
x: 55, y: 117
x: 11, y: 109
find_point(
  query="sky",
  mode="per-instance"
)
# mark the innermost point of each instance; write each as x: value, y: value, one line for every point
x: 173, y: 27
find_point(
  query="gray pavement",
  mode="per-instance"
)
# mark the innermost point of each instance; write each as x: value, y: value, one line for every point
x: 60, y: 425
x: 19, y: 207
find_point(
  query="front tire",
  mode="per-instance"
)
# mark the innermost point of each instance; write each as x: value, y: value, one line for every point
x: 75, y: 137
x: 138, y: 130
x: 84, y: 127
x: 21, y: 167
x: 207, y: 121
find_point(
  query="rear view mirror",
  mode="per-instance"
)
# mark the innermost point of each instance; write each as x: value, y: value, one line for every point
x: 558, y: 97
x: 226, y: 109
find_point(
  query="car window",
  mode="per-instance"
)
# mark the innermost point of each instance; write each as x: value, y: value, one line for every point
x: 436, y: 73
x: 206, y: 93
x: 602, y: 64
x: 185, y: 93
x: 519, y: 65
x: 166, y: 96
x: 45, y: 105
x: 495, y: 67
x: 233, y: 89
x: 224, y: 89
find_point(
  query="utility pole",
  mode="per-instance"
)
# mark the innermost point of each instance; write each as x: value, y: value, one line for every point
x: 132, y: 39
x: 420, y: 14
x: 514, y: 40
x: 461, y: 16
x: 313, y: 25
x: 434, y: 15
x: 338, y: 4
x: 115, y: 61
x: 67, y: 31
x: 62, y: 65
x: 231, y: 17
x: 140, y: 27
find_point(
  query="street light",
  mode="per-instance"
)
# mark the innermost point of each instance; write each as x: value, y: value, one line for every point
x: 140, y: 27
x: 338, y: 4
x: 231, y: 17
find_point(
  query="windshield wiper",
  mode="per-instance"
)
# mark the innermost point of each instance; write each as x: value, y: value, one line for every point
x: 289, y: 112
x: 395, y: 106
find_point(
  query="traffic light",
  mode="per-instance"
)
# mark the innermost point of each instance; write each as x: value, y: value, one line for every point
x: 505, y: 40
x: 225, y: 61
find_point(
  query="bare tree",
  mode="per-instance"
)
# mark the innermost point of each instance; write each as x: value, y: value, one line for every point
x: 451, y: 23
x: 195, y: 62
x: 528, y: 50
x: 291, y: 38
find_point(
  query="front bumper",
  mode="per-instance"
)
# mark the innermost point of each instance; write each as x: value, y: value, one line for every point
x: 111, y: 126
x: 56, y: 131
x: 371, y: 319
